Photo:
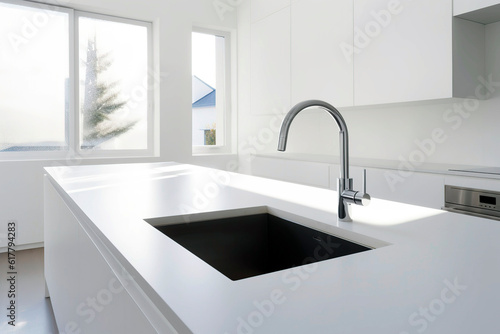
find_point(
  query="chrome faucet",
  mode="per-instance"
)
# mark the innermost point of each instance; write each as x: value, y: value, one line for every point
x: 347, y: 195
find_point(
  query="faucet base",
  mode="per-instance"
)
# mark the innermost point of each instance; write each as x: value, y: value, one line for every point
x: 347, y: 218
x: 344, y: 209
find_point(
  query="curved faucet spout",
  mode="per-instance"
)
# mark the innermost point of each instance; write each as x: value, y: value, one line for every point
x: 346, y: 194
x: 343, y: 134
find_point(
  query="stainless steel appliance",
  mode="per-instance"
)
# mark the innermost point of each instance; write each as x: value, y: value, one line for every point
x: 484, y: 203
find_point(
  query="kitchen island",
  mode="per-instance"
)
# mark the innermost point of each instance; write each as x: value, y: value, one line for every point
x: 110, y: 271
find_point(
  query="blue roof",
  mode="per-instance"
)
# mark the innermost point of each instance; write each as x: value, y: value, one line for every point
x: 203, y: 94
x: 206, y: 101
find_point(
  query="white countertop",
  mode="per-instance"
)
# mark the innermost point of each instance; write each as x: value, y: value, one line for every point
x: 439, y: 275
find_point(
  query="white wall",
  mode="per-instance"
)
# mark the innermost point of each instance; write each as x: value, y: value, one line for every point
x: 21, y: 195
x: 380, y: 132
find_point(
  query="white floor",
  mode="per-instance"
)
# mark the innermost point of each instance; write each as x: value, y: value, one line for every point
x: 33, y: 311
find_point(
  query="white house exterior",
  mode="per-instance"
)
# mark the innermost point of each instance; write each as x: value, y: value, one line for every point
x: 204, y: 111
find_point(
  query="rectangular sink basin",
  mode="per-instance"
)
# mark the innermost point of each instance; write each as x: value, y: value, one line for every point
x: 254, y: 242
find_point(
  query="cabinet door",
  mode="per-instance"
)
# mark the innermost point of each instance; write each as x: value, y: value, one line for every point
x: 86, y: 294
x: 320, y: 69
x: 403, y: 51
x: 263, y: 8
x: 105, y: 305
x: 61, y: 269
x: 270, y: 64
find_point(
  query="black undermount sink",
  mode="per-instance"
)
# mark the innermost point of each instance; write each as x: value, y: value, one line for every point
x: 256, y: 244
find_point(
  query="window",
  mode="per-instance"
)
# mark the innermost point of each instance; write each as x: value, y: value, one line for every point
x: 34, y: 78
x: 113, y: 84
x: 75, y: 83
x: 211, y: 91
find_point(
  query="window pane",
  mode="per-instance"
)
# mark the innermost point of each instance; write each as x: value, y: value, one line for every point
x: 113, y: 85
x: 34, y: 79
x: 208, y: 70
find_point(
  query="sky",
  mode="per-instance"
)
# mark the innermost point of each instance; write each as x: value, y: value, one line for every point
x: 203, y: 54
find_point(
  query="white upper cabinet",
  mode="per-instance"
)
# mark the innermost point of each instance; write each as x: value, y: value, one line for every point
x: 263, y: 8
x: 483, y: 11
x: 319, y: 68
x: 270, y: 64
x: 362, y: 52
x: 408, y: 50
x: 402, y: 52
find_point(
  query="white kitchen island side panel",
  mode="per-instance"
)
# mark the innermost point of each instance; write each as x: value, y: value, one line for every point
x: 86, y: 294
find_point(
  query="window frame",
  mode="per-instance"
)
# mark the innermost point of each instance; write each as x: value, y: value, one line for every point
x: 150, y: 110
x: 73, y: 150
x: 229, y: 92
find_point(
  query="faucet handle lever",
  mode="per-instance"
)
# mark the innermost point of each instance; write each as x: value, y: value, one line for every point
x: 364, y: 180
x: 357, y: 197
x: 363, y: 198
